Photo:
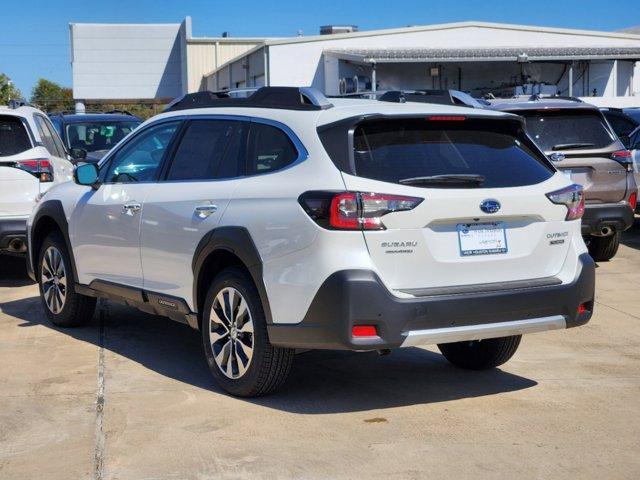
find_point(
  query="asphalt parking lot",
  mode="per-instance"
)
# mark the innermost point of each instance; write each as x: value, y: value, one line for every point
x: 130, y: 397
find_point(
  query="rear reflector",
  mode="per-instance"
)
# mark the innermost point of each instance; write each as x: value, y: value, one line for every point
x: 571, y: 197
x: 446, y: 118
x: 364, y: 331
x: 582, y: 308
x: 633, y: 200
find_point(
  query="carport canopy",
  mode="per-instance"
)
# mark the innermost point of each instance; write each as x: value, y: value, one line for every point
x: 496, y: 54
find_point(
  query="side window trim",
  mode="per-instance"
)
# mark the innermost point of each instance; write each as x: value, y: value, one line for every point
x: 41, y: 124
x: 105, y: 163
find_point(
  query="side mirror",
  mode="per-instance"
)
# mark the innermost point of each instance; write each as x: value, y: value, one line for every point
x: 86, y: 174
x: 78, y: 154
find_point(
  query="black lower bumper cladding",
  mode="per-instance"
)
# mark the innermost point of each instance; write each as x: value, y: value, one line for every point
x: 358, y: 297
x: 618, y: 217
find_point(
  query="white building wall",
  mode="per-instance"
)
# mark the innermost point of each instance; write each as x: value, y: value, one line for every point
x: 126, y: 61
x: 300, y: 63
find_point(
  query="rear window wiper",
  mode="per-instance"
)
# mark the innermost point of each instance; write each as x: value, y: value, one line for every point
x: 569, y: 146
x: 454, y: 178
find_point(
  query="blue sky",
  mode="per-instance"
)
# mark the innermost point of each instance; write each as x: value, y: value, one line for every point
x: 34, y: 35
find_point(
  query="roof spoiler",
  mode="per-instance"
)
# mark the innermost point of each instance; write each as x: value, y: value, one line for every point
x: 286, y: 98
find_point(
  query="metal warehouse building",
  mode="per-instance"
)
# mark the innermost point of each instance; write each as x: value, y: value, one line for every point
x: 163, y: 61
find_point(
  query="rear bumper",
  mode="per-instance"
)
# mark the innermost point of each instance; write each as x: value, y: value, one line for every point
x: 618, y: 216
x: 12, y: 229
x: 358, y: 297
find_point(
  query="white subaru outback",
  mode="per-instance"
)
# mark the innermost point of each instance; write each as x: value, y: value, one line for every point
x: 282, y: 221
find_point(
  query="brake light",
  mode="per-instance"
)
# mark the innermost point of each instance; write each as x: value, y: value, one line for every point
x: 624, y: 158
x: 633, y: 200
x: 571, y: 197
x: 354, y: 210
x: 39, y: 167
x: 446, y: 118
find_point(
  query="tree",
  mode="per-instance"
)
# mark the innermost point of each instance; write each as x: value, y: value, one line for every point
x: 8, y: 91
x: 50, y: 96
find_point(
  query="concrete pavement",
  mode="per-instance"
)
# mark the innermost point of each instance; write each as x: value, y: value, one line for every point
x: 130, y: 397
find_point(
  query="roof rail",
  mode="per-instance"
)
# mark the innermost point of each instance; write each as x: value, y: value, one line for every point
x: 286, y: 98
x: 555, y: 97
x: 441, y: 97
x: 17, y: 103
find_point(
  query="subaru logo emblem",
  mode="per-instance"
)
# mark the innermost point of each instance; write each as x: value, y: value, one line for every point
x: 556, y: 157
x: 490, y: 206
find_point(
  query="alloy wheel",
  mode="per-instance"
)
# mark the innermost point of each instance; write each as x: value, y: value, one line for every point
x: 54, y: 280
x: 231, y: 333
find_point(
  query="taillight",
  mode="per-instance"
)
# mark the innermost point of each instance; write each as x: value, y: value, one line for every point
x: 571, y: 197
x: 624, y: 158
x: 633, y: 200
x: 354, y: 210
x: 39, y: 167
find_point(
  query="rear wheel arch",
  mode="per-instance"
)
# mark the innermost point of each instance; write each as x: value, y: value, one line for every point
x: 219, y: 249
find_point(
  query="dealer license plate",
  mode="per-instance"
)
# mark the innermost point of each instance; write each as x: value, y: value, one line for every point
x: 482, y: 238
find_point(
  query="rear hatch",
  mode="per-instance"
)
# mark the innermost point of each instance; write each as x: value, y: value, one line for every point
x: 18, y: 185
x: 484, y: 218
x: 584, y: 145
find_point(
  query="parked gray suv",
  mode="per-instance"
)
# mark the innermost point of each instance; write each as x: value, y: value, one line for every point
x: 581, y: 143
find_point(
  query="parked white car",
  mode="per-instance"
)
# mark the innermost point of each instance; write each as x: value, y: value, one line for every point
x: 633, y: 142
x: 282, y: 222
x: 32, y: 159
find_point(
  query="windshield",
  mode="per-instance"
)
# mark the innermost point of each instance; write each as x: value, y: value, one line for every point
x: 93, y: 136
x: 470, y: 153
x: 574, y: 129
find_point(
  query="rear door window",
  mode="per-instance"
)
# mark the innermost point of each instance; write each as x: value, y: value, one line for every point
x: 14, y: 138
x: 498, y: 153
x: 270, y: 149
x: 47, y: 135
x: 209, y: 149
x: 568, y: 130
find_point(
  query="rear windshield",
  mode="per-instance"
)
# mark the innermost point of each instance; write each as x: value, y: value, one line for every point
x: 568, y: 130
x: 496, y: 151
x: 13, y: 136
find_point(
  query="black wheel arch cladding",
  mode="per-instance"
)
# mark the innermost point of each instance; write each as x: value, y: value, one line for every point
x: 237, y: 241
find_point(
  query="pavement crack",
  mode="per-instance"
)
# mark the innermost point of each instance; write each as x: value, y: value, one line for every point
x: 617, y: 310
x: 98, y: 455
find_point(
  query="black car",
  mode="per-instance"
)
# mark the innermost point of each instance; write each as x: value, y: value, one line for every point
x: 89, y: 136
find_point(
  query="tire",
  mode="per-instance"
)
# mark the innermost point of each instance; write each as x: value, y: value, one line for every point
x: 481, y: 354
x: 238, y: 352
x: 69, y: 308
x: 603, y: 249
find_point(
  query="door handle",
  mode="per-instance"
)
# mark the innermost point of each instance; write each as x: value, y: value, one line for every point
x: 131, y: 208
x: 203, y: 211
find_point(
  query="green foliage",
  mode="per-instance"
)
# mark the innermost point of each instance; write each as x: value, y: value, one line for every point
x: 8, y: 91
x: 50, y: 96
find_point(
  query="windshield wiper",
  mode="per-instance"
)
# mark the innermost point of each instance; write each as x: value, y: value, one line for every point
x: 454, y: 178
x: 569, y: 146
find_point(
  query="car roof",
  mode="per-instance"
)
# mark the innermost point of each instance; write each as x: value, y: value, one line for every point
x: 342, y: 108
x: 24, y: 111
x: 521, y: 105
x: 96, y: 117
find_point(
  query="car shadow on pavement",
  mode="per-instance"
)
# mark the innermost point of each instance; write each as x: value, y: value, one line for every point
x: 13, y: 271
x: 321, y: 382
x: 631, y: 238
